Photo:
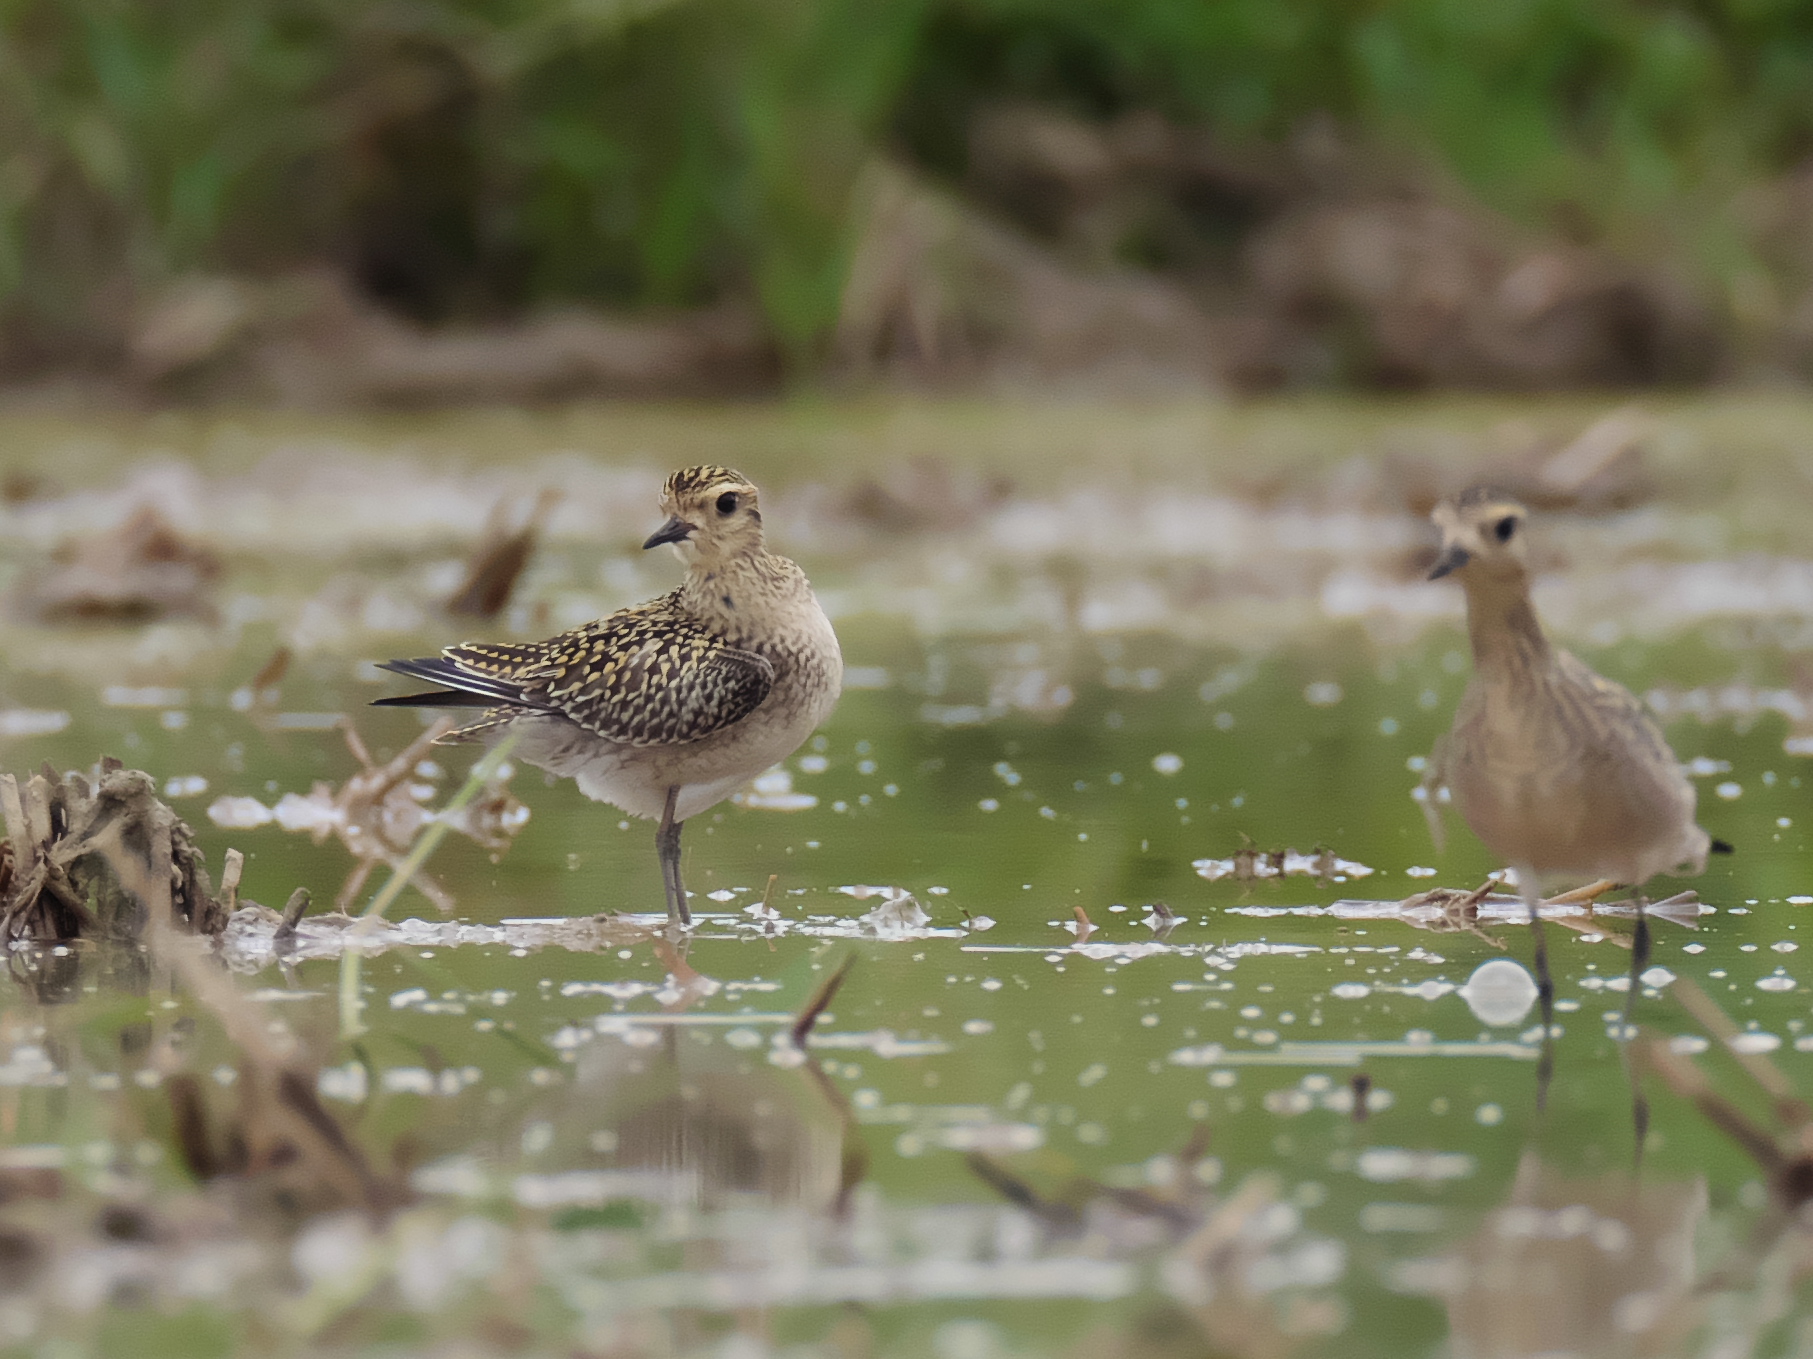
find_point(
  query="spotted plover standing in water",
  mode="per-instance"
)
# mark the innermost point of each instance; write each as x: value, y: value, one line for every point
x: 1559, y: 771
x: 665, y: 708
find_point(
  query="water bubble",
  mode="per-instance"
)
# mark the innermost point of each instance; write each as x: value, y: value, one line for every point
x: 1167, y: 763
x: 1500, y: 992
x: 1755, y: 1042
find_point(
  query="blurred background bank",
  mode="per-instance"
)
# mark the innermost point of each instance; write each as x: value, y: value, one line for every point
x: 332, y: 202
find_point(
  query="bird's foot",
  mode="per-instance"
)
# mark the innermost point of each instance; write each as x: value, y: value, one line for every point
x: 1587, y: 896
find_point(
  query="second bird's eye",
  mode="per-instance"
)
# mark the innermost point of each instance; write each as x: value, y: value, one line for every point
x: 727, y: 503
x: 1504, y: 528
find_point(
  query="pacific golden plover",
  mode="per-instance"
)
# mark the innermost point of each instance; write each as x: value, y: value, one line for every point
x: 1559, y: 771
x: 665, y: 708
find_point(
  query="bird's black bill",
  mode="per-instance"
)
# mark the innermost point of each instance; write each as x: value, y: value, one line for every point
x: 1722, y: 847
x: 675, y: 530
x: 1452, y: 559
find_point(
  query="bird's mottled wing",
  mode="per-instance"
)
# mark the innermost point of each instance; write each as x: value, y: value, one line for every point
x: 647, y: 676
x: 1611, y: 710
x: 497, y: 660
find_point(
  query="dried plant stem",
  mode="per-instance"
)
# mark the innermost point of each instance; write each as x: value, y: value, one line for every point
x: 425, y: 844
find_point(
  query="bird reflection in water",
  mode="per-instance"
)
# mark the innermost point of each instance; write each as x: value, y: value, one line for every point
x: 692, y: 1121
x: 1601, y: 1266
x: 1607, y: 1266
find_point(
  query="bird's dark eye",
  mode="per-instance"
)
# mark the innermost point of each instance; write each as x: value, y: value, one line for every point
x: 727, y: 503
x: 1504, y: 528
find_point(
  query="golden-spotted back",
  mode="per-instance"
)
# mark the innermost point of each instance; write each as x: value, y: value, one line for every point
x: 648, y: 676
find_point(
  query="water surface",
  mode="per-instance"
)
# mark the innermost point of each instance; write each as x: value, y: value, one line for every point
x: 1081, y: 678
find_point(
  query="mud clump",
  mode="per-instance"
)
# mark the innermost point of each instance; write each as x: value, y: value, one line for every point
x: 140, y: 571
x: 75, y: 848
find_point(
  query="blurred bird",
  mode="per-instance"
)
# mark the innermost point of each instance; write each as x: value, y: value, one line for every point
x: 665, y: 708
x: 1559, y: 771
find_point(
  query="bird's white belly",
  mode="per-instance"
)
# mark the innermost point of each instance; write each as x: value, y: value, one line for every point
x: 706, y: 772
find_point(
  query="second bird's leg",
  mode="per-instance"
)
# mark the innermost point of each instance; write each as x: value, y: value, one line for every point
x: 667, y: 846
x: 1639, y: 964
x: 1545, y: 985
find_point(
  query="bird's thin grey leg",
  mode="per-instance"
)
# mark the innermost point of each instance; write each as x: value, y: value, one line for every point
x: 1545, y: 985
x: 1639, y: 964
x: 667, y: 845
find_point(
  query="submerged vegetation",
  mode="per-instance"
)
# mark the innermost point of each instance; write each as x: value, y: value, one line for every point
x: 465, y: 160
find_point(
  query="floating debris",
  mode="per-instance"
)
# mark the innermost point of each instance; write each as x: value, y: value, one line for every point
x: 1249, y: 863
x: 142, y: 570
x: 252, y: 937
x: 900, y: 914
x: 1448, y: 909
x: 377, y: 813
x: 1160, y: 919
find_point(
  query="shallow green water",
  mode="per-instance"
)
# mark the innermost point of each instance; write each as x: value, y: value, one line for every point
x: 658, y: 1168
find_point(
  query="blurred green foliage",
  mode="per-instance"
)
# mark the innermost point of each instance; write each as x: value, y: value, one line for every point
x: 470, y: 157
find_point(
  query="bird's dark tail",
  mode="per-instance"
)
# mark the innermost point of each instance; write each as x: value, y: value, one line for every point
x: 464, y: 689
x: 1722, y: 847
x: 439, y: 698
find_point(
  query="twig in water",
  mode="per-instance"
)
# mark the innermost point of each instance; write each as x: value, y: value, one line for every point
x: 499, y: 560
x: 232, y: 868
x: 293, y: 911
x: 820, y: 1002
x: 1361, y: 1085
x: 1083, y: 928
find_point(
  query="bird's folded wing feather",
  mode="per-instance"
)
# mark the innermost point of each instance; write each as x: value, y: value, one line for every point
x: 640, y: 677
x: 1615, y: 710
